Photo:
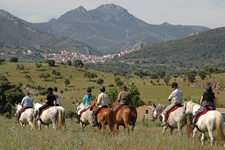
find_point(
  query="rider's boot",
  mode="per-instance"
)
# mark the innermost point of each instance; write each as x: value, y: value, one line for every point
x: 78, y: 119
x: 95, y: 121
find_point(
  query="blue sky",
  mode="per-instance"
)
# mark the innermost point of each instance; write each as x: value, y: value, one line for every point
x: 210, y: 13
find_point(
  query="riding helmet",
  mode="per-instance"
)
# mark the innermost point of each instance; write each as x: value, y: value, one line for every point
x: 102, y: 89
x: 208, y: 88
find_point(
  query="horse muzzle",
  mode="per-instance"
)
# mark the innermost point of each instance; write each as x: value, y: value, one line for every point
x: 153, y: 119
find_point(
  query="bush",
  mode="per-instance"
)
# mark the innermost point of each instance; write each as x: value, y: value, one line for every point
x: 43, y: 92
x: 111, y: 85
x: 14, y: 59
x: 50, y: 62
x: 71, y: 114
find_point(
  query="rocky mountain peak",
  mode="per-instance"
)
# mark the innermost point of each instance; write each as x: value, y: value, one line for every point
x: 112, y: 8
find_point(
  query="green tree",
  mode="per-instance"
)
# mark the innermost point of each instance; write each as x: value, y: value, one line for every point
x: 78, y: 63
x: 50, y: 62
x: 166, y: 79
x: 113, y: 94
x: 66, y: 82
x: 141, y: 73
x: 13, y: 59
x: 161, y: 74
x: 100, y: 81
x: 38, y: 65
x: 191, y: 76
x: 69, y: 62
x: 20, y: 67
x: 45, y: 76
x: 1, y: 60
x: 153, y: 76
x: 202, y: 74
x: 137, y: 101
x: 90, y: 75
x: 118, y: 81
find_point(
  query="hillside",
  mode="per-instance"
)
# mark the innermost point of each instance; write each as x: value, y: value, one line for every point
x: 13, y: 31
x: 176, y: 56
x: 111, y: 28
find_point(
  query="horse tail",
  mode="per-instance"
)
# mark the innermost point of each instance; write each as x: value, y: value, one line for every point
x: 64, y: 118
x: 133, y: 116
x: 59, y: 118
x: 188, y: 129
x: 111, y: 120
x: 34, y: 122
x: 220, y: 127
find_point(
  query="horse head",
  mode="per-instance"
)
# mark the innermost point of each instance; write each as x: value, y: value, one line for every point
x: 93, y: 103
x: 36, y: 108
x: 80, y: 105
x: 154, y: 113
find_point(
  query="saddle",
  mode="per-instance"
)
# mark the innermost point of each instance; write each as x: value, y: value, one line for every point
x: 120, y: 108
x: 202, y: 114
x: 172, y: 111
x: 83, y: 111
x: 45, y: 109
x: 101, y: 110
x: 24, y: 111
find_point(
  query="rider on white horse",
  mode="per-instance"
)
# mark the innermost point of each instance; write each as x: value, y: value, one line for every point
x: 27, y: 102
x: 58, y: 97
x: 207, y: 102
x: 102, y: 101
x: 87, y: 100
x: 176, y: 98
x: 50, y: 100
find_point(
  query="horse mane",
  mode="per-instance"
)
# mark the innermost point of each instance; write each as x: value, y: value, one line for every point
x: 79, y: 102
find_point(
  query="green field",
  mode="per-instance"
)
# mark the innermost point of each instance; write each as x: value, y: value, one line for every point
x: 78, y: 84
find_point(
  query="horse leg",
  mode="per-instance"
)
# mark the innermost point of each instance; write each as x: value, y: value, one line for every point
x: 164, y: 129
x: 211, y: 136
x: 126, y: 126
x: 117, y: 129
x: 179, y: 129
x: 104, y: 127
x: 31, y: 124
x: 47, y: 127
x: 39, y: 124
x: 202, y: 138
x: 111, y: 126
x: 171, y: 132
x: 194, y: 132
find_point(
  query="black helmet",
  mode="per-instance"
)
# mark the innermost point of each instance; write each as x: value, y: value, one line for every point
x: 174, y: 84
x: 88, y: 90
x: 50, y: 89
x: 208, y: 88
x: 102, y: 89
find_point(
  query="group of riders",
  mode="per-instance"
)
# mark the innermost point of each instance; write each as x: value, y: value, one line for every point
x: 124, y: 98
x: 53, y: 98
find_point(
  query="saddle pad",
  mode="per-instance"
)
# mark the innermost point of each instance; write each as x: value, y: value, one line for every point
x: 45, y: 109
x: 171, y: 111
x: 22, y: 112
x: 202, y: 114
x: 119, y: 108
x: 83, y: 111
x: 100, y: 110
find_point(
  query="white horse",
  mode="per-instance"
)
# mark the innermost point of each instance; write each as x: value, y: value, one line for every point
x: 86, y: 117
x: 177, y: 118
x: 209, y: 122
x: 52, y: 115
x: 26, y: 117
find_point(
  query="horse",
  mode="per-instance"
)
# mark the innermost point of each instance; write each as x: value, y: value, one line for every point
x: 51, y: 115
x: 126, y: 115
x: 26, y: 117
x: 177, y: 118
x: 157, y: 111
x: 86, y: 117
x: 208, y: 122
x: 105, y: 116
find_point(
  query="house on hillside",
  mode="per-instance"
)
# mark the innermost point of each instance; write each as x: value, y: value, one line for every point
x: 144, y: 112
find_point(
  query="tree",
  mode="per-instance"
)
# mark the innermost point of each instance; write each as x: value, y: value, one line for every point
x: 153, y: 76
x: 20, y: 67
x: 90, y: 75
x: 44, y: 75
x: 137, y: 101
x: 202, y: 74
x: 166, y: 79
x: 113, y: 94
x: 141, y: 73
x: 38, y: 65
x: 78, y: 63
x: 13, y: 59
x: 50, y: 62
x: 1, y: 60
x: 161, y: 74
x: 100, y: 81
x: 69, y: 62
x: 66, y: 82
x: 118, y: 81
x: 191, y: 76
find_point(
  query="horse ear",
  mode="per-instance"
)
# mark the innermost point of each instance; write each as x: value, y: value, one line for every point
x: 154, y: 105
x: 76, y: 100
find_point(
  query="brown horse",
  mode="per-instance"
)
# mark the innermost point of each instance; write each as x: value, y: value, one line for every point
x: 106, y: 116
x: 124, y: 116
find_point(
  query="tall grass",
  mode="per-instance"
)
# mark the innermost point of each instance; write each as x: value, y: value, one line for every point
x: 146, y: 135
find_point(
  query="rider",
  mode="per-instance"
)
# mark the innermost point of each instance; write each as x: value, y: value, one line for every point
x: 124, y: 98
x: 27, y: 102
x: 103, y: 101
x: 176, y: 98
x: 207, y: 102
x: 87, y: 101
x: 48, y: 102
x: 58, y: 97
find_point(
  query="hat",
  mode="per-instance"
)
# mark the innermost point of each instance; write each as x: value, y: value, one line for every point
x: 174, y: 84
x: 124, y: 88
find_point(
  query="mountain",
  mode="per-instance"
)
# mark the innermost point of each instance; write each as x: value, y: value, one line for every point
x: 175, y: 56
x: 111, y: 28
x: 14, y: 31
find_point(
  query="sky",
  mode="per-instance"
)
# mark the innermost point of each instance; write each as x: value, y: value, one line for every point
x: 209, y: 13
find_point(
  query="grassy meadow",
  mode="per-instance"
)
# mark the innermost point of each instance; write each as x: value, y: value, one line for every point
x: 147, y: 135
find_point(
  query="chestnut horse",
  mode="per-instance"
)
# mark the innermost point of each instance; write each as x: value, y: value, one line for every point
x: 124, y: 116
x: 106, y: 116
